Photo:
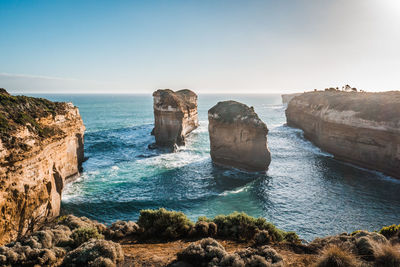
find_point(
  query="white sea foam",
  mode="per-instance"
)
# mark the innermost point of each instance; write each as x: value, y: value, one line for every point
x: 173, y: 160
x: 236, y: 191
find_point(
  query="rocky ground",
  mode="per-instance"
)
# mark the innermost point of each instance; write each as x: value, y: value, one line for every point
x: 165, y: 238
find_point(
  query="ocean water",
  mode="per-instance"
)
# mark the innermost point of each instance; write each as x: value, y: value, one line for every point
x: 305, y: 189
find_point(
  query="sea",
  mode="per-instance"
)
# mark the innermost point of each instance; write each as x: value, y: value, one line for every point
x: 305, y: 190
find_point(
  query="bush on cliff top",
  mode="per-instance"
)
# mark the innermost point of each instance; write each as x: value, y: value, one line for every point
x: 23, y: 110
x: 241, y: 226
x: 164, y: 223
x: 390, y: 231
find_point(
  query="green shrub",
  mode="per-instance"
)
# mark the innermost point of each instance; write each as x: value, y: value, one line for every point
x: 61, y: 219
x: 389, y: 231
x: 356, y: 232
x: 291, y: 237
x: 241, y: 226
x: 84, y: 234
x: 164, y: 223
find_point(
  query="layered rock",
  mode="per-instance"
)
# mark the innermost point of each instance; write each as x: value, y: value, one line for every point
x: 238, y: 137
x: 360, y: 128
x: 41, y: 146
x: 175, y: 116
x: 287, y: 97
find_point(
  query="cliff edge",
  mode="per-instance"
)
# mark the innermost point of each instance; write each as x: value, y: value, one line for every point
x: 41, y: 145
x: 287, y: 97
x: 175, y: 116
x: 238, y: 137
x: 360, y: 128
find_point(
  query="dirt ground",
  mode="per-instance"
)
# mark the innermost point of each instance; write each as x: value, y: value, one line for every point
x: 162, y: 254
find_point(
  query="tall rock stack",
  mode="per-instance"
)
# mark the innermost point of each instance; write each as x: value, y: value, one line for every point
x: 238, y: 137
x: 175, y: 116
x: 41, y: 145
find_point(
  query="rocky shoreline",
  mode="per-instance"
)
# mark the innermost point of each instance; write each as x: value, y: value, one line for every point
x: 360, y: 128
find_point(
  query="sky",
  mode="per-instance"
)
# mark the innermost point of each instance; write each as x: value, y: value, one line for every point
x: 209, y: 46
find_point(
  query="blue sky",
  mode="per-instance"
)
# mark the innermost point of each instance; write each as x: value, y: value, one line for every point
x: 210, y: 46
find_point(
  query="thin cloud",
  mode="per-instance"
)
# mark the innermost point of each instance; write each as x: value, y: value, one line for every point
x: 28, y: 76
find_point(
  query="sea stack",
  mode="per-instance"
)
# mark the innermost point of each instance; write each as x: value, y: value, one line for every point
x: 41, y: 146
x: 356, y: 127
x: 175, y: 116
x: 238, y: 137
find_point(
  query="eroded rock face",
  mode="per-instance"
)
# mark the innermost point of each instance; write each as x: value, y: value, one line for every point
x: 360, y: 128
x: 175, y: 116
x: 287, y: 97
x: 41, y: 146
x: 238, y: 138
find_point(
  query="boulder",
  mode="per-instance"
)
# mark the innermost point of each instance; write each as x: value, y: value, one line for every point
x: 175, y: 116
x: 238, y: 137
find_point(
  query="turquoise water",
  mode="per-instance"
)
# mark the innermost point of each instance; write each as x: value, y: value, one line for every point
x: 305, y: 189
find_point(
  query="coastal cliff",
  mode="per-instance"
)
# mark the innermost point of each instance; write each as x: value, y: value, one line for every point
x: 360, y: 128
x: 175, y: 116
x: 238, y: 137
x: 41, y: 146
x: 287, y: 97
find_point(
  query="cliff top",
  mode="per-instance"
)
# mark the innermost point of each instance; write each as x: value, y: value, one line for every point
x: 230, y: 111
x: 379, y: 107
x: 183, y: 99
x: 16, y: 111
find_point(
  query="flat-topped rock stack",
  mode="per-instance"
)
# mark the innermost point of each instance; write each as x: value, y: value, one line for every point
x: 175, y: 116
x: 41, y: 145
x: 238, y: 137
x: 360, y: 128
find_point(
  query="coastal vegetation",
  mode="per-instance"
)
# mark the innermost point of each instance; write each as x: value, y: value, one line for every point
x: 390, y: 231
x: 236, y: 239
x: 236, y: 226
x: 16, y: 111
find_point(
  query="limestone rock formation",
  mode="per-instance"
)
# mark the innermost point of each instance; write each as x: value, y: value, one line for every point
x: 287, y: 97
x: 41, y: 145
x: 360, y: 128
x: 175, y: 116
x: 238, y: 137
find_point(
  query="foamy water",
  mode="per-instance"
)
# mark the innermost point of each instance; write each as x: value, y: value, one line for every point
x: 305, y: 189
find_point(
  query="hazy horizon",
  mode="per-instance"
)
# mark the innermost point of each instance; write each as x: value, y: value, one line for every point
x: 239, y: 47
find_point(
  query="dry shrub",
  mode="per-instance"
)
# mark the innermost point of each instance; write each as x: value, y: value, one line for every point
x: 121, y: 229
x: 334, y: 256
x: 88, y: 254
x: 203, y: 252
x: 74, y: 222
x: 208, y: 252
x: 387, y: 256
